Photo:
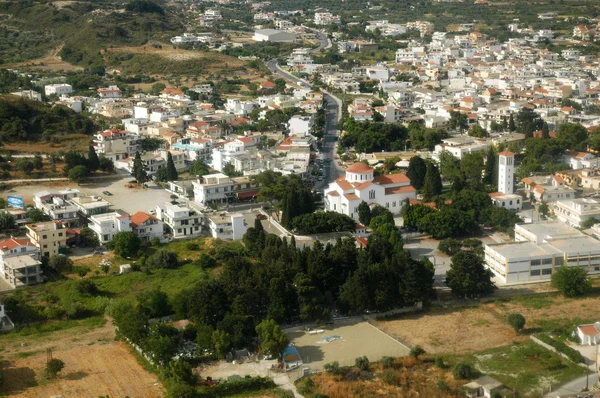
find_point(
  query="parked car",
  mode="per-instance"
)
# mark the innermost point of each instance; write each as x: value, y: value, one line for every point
x: 261, y: 217
x: 107, y: 193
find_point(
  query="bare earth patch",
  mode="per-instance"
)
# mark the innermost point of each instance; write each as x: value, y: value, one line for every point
x: 467, y: 330
x: 95, y: 365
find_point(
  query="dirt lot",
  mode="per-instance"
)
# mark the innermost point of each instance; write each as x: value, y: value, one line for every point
x: 95, y: 365
x: 357, y: 339
x: 472, y: 329
x: 51, y: 62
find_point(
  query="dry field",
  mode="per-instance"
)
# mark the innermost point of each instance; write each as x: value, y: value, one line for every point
x: 95, y: 365
x: 77, y: 142
x: 51, y: 62
x: 466, y: 330
x: 355, y: 340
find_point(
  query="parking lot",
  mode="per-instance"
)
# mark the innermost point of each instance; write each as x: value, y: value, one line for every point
x: 356, y: 339
x: 129, y: 200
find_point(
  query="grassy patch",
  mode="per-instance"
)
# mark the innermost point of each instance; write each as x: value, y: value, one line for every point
x: 525, y: 366
x: 26, y: 354
x: 54, y: 326
x: 535, y: 302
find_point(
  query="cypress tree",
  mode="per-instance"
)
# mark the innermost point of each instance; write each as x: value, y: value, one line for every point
x: 490, y: 166
x: 433, y: 183
x: 93, y: 162
x: 139, y: 171
x: 511, y: 123
x: 417, y: 168
x: 171, y: 170
x: 545, y: 130
x: 504, y: 123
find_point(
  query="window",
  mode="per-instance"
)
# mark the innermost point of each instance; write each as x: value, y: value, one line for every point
x: 23, y: 249
x: 559, y: 261
x: 393, y: 204
x: 45, y: 246
x: 535, y: 272
x: 60, y: 234
x: 44, y: 236
x: 547, y: 261
x: 547, y: 271
x: 387, y: 205
x: 536, y: 262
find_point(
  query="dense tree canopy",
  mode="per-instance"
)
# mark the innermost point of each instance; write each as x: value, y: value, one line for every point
x: 468, y: 277
x: 373, y: 136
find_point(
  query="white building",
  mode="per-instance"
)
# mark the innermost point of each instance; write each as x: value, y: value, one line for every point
x: 14, y: 247
x: 301, y: 125
x: 109, y: 92
x: 326, y: 18
x: 358, y: 185
x: 57, y: 205
x: 576, y: 211
x: 589, y: 334
x: 146, y: 226
x: 506, y: 179
x: 274, y: 36
x: 106, y: 226
x: 58, y: 89
x: 116, y: 144
x: 226, y: 226
x: 540, y: 249
x: 180, y: 219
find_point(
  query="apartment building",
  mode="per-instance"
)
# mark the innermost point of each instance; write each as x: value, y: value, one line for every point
x: 50, y: 237
x: 221, y: 189
x: 116, y: 144
x: 575, y: 212
x: 90, y: 205
x: 180, y: 220
x: 146, y: 226
x: 57, y: 205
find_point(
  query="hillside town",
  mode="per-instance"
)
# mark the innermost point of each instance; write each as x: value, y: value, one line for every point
x: 357, y: 182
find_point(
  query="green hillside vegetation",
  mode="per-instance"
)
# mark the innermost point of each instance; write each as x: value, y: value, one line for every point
x: 31, y: 29
x: 22, y: 119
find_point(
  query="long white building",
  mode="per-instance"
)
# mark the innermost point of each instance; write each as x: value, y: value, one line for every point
x: 541, y: 249
x: 345, y: 194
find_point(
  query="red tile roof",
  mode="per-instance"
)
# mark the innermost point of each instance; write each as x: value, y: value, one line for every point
x: 351, y: 196
x: 343, y: 183
x: 588, y: 330
x: 268, y: 84
x: 397, y: 190
x: 506, y: 153
x: 362, y: 242
x: 359, y: 167
x: 12, y: 243
x: 140, y: 217
x: 391, y: 179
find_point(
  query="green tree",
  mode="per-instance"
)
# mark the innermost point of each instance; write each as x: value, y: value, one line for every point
x: 416, y: 351
x: 516, y: 321
x: 511, y: 124
x: 163, y: 258
x: 36, y: 215
x: 38, y: 162
x: 229, y: 170
x: 545, y: 130
x: 93, y: 162
x: 61, y: 263
x: 489, y: 172
x: 7, y: 221
x: 162, y: 174
x: 468, y: 277
x: 171, y: 170
x: 78, y: 174
x: 125, y: 244
x: 157, y: 88
x: 88, y: 238
x: 154, y: 303
x: 458, y: 121
x: 272, y: 339
x: 221, y: 342
x: 181, y: 371
x: 417, y: 169
x: 572, y: 136
x: 477, y: 131
x: 198, y: 168
x: 462, y: 371
x: 139, y: 170
x: 432, y: 186
x: 53, y: 368
x: 571, y: 281
x: 364, y: 213
x: 25, y: 165
x: 449, y: 166
x: 106, y: 164
x: 362, y: 363
x: 471, y: 165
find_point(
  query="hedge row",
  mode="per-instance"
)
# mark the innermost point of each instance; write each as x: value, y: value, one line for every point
x: 235, y: 387
x: 561, y: 347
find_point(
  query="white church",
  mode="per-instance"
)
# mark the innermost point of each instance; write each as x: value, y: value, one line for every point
x: 347, y: 192
x: 506, y: 180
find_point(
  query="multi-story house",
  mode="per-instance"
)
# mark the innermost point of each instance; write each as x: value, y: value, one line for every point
x: 226, y: 226
x: 180, y: 220
x: 146, y: 226
x: 575, y: 212
x: 90, y: 205
x: 20, y: 262
x: 116, y: 144
x: 106, y: 226
x: 195, y: 148
x: 50, y: 237
x: 57, y: 205
x: 213, y: 188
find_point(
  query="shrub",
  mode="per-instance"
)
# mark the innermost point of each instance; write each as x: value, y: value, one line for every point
x: 389, y: 376
x: 193, y: 246
x: 516, y: 321
x: 442, y: 385
x: 439, y: 362
x: 416, y: 351
x: 449, y: 246
x: 387, y: 362
x: 205, y: 261
x: 155, y: 242
x: 333, y: 368
x: 462, y: 370
x: 87, y: 286
x: 362, y: 363
x: 53, y: 367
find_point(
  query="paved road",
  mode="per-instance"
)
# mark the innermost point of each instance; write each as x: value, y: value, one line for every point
x: 574, y: 386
